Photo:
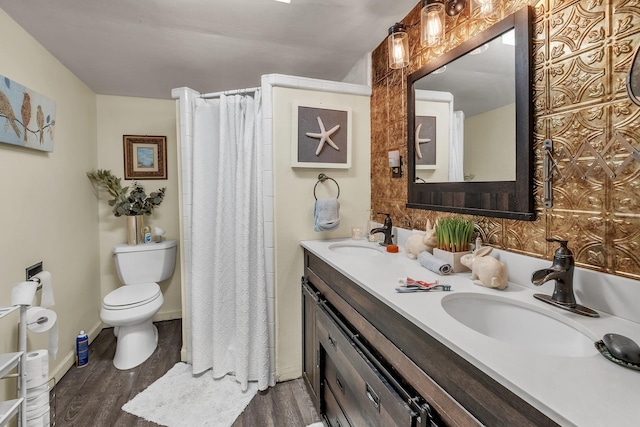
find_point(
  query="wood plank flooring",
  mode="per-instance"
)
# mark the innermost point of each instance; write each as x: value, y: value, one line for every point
x: 93, y: 395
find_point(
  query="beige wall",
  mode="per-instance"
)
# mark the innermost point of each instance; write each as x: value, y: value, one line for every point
x: 293, y: 210
x: 118, y: 116
x: 489, y: 152
x: 49, y: 212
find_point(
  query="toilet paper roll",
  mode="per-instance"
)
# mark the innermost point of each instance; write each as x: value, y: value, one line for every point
x: 34, y: 392
x: 40, y: 320
x: 46, y: 299
x: 38, y: 412
x: 38, y: 402
x: 22, y: 293
x: 40, y: 420
x: 37, y: 368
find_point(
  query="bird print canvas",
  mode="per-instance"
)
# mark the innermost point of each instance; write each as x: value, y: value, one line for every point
x: 18, y: 108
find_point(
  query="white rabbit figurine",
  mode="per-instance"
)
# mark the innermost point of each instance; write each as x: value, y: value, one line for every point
x: 485, y: 270
x: 420, y: 242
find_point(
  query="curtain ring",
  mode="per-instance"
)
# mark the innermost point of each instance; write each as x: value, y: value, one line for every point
x: 322, y: 178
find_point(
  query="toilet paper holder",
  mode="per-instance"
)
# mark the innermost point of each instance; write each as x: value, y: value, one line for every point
x: 31, y: 271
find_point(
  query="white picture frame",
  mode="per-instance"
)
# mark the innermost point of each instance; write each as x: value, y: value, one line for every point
x: 309, y: 122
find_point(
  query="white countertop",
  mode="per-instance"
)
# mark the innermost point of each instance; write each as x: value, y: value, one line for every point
x: 578, y: 391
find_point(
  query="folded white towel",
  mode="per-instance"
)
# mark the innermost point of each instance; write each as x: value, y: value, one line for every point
x: 326, y: 214
x: 434, y: 264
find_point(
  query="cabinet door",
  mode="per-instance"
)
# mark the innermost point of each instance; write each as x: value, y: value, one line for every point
x: 310, y: 362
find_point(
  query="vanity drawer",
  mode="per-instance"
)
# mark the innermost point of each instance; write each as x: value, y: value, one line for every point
x: 333, y: 411
x: 366, y: 396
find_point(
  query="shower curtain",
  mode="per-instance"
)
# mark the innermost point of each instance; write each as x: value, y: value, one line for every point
x: 456, y: 148
x: 229, y: 329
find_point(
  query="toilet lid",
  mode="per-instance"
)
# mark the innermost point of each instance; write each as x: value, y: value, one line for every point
x: 132, y: 295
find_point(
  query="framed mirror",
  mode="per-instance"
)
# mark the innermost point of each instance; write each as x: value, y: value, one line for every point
x: 470, y: 125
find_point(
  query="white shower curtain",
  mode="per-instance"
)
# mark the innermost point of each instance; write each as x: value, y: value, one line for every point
x: 456, y: 148
x: 229, y: 330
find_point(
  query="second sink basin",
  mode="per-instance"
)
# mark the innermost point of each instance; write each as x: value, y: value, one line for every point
x: 520, y: 324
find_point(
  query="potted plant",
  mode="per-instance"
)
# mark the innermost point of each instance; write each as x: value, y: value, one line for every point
x: 453, y: 236
x: 132, y: 203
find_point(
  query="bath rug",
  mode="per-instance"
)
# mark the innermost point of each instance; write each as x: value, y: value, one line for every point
x: 180, y: 399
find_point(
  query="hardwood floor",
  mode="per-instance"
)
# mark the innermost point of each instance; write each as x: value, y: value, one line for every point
x: 93, y: 395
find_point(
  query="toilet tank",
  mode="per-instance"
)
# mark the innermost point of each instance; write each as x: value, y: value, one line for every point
x: 146, y: 263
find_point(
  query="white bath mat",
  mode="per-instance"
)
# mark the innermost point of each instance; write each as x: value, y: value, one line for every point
x: 179, y: 399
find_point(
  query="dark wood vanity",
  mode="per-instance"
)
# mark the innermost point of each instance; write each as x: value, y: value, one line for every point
x: 366, y: 365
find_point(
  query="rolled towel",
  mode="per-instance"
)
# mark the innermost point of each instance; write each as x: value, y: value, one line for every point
x: 434, y: 264
x: 326, y: 214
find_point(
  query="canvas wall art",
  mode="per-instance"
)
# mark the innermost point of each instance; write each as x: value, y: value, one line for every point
x: 27, y: 118
x: 321, y: 137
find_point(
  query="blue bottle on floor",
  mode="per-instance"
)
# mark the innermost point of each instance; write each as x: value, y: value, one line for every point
x: 82, y: 349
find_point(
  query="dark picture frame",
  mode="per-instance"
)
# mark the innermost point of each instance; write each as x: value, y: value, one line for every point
x: 145, y: 157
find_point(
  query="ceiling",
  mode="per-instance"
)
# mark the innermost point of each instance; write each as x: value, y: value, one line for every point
x: 146, y: 48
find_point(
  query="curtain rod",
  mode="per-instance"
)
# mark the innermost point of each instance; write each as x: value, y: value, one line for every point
x: 228, y: 92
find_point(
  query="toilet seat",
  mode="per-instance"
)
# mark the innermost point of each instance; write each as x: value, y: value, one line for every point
x: 131, y: 296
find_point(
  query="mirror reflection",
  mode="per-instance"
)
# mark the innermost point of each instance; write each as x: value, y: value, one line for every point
x: 465, y: 117
x: 488, y: 168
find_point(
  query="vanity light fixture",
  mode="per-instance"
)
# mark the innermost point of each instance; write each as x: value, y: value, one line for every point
x: 432, y: 25
x: 398, y: 43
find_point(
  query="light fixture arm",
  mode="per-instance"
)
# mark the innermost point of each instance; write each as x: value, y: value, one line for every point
x: 452, y: 7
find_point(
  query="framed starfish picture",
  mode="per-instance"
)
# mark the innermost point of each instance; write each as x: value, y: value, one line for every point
x: 321, y: 137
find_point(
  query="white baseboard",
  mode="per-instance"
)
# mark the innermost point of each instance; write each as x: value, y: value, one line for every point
x: 69, y: 359
x: 167, y: 315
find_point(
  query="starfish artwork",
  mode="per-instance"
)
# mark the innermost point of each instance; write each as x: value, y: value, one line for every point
x: 324, y: 136
x: 420, y: 140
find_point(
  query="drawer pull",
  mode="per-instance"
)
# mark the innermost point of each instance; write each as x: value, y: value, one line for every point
x: 332, y: 342
x: 339, y: 383
x: 373, y: 397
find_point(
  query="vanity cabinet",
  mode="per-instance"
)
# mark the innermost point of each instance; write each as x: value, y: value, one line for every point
x: 374, y: 367
x: 310, y: 350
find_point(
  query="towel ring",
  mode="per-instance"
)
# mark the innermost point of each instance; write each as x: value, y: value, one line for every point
x: 322, y: 178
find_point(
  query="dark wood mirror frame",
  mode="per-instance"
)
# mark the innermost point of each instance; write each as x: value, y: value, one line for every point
x: 499, y: 199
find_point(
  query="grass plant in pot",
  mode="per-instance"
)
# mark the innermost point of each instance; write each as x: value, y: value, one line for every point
x: 132, y: 203
x: 453, y: 236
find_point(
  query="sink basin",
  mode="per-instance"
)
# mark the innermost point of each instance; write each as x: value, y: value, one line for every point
x: 355, y: 249
x: 520, y: 324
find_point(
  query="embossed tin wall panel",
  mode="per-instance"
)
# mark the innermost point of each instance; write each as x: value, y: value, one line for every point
x: 582, y: 54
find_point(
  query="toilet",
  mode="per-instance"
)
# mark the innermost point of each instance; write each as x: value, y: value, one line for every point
x: 129, y: 308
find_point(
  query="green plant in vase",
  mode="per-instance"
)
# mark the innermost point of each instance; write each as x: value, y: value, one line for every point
x: 453, y: 237
x: 132, y: 203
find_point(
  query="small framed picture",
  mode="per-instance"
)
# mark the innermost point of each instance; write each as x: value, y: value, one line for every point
x: 145, y: 157
x: 426, y: 142
x: 321, y: 137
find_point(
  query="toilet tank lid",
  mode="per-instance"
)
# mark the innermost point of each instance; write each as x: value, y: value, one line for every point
x: 153, y: 246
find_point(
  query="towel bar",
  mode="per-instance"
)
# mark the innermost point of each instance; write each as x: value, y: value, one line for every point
x: 322, y: 178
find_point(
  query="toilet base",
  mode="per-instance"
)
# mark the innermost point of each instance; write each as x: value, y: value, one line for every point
x: 135, y: 344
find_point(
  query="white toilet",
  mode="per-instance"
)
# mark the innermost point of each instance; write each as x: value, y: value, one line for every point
x: 130, y: 308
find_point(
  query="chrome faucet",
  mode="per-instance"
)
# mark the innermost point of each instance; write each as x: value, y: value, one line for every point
x: 562, y: 272
x: 387, y: 229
